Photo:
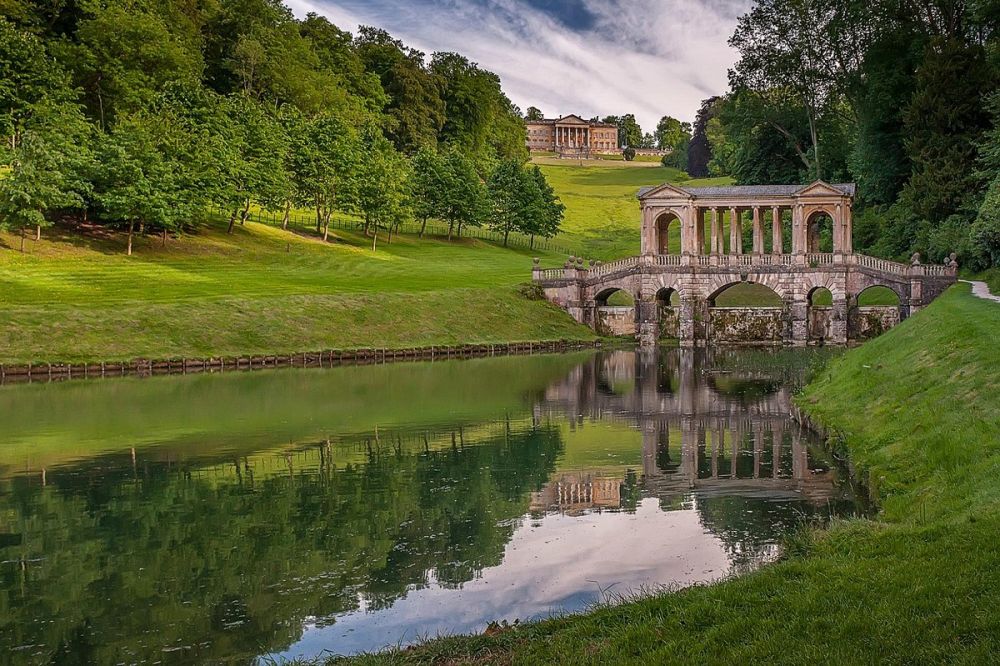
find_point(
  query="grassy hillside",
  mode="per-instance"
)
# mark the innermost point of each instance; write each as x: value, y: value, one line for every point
x: 917, y: 409
x: 75, y: 296
x: 602, y: 211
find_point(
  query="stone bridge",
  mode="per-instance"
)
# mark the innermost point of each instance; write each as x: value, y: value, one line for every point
x: 674, y: 293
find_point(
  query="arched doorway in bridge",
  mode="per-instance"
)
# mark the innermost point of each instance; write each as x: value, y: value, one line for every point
x: 668, y: 303
x: 664, y: 242
x: 745, y: 312
x: 874, y: 310
x: 819, y: 232
x: 615, y: 312
x: 819, y: 320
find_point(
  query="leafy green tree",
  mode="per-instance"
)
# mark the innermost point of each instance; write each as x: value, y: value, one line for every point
x: 382, y: 185
x: 45, y: 170
x: 517, y: 202
x: 944, y: 121
x: 534, y: 113
x: 428, y: 186
x: 546, y: 209
x: 985, y: 232
x: 465, y: 197
x: 123, y: 56
x: 629, y: 132
x: 669, y: 131
x: 415, y: 112
x: 139, y: 182
x: 325, y: 159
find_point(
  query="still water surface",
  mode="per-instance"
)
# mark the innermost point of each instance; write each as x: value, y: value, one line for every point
x: 306, y: 512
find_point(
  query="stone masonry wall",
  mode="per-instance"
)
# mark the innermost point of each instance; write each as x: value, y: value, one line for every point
x: 616, y: 320
x: 746, y: 325
x: 872, y: 321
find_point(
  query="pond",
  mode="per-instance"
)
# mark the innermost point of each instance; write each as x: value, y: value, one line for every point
x: 299, y: 513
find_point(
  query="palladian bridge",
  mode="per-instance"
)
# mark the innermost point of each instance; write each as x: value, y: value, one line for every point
x: 798, y: 244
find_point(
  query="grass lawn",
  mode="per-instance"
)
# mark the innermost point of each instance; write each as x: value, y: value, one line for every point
x: 75, y: 296
x: 917, y: 409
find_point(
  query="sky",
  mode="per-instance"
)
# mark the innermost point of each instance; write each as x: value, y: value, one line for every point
x: 588, y: 57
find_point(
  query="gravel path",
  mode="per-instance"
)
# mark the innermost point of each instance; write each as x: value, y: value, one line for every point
x: 981, y: 290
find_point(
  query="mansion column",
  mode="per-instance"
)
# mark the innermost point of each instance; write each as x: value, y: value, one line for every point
x: 777, y: 242
x: 758, y: 232
x: 799, y: 241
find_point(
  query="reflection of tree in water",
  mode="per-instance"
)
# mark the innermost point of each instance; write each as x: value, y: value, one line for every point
x: 226, y: 562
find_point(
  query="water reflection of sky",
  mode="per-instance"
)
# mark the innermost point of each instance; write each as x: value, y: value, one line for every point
x: 553, y: 564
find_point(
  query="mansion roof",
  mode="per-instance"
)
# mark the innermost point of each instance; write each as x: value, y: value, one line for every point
x: 571, y: 118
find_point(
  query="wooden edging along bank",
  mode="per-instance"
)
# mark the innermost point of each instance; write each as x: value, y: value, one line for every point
x: 44, y: 372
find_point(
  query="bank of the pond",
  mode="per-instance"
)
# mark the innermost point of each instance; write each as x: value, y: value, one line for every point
x: 33, y: 372
x: 918, y: 410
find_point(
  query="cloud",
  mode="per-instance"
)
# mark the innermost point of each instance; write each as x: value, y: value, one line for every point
x: 590, y: 57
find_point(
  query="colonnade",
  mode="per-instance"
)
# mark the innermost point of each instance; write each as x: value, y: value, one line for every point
x: 697, y: 240
x: 578, y: 137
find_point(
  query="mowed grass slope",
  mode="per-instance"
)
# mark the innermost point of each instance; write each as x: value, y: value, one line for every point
x: 74, y: 296
x: 602, y: 209
x: 917, y: 409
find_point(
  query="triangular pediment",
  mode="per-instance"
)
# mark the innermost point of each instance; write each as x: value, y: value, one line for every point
x: 819, y: 188
x: 664, y: 191
x: 572, y: 119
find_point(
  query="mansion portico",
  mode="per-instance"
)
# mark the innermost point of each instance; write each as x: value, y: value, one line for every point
x: 572, y: 136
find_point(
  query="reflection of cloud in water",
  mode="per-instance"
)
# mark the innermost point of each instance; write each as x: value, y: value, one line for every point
x: 554, y: 564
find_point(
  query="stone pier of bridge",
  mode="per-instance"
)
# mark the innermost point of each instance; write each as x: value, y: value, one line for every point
x: 697, y: 242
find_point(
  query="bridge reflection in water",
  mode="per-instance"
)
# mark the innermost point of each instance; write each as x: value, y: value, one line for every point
x: 707, y: 428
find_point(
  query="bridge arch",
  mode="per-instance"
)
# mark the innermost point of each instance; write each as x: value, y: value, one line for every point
x: 721, y: 283
x: 879, y: 294
x: 613, y: 293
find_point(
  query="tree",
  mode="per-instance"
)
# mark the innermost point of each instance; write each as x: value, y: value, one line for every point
x: 465, y: 200
x: 699, y: 153
x: 944, y: 122
x: 546, y: 211
x: 255, y: 155
x: 629, y: 132
x: 380, y: 192
x: 325, y: 160
x: 416, y: 111
x: 534, y: 113
x: 669, y: 131
x: 428, y: 186
x: 138, y: 181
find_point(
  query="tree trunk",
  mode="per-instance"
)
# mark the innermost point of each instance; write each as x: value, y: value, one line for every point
x: 815, y: 141
x: 22, y: 240
x: 459, y: 234
x: 423, y: 226
x: 164, y: 236
x: 326, y: 227
x: 319, y: 217
x: 506, y: 233
x: 38, y: 232
x: 245, y: 213
x: 451, y: 225
x: 232, y: 221
x: 532, y: 243
x: 131, y: 228
x: 284, y: 219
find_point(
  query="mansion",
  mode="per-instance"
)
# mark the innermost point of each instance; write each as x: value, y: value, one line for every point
x: 572, y: 136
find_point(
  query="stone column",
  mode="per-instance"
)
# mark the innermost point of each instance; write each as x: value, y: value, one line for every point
x: 838, y: 323
x: 699, y: 230
x: 776, y: 235
x: 716, y: 237
x: 797, y: 319
x: 735, y: 244
x: 648, y: 239
x: 798, y: 234
x: 758, y: 232
x: 847, y: 241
